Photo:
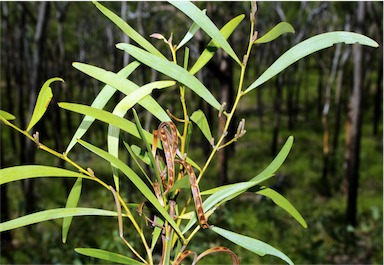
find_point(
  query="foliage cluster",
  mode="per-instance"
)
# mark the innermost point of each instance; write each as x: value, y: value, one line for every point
x: 167, y: 219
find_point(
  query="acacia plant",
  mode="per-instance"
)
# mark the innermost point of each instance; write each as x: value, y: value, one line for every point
x: 164, y: 167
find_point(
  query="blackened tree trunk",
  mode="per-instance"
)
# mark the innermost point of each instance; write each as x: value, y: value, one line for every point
x: 290, y: 95
x: 227, y: 96
x: 377, y: 111
x: 61, y: 14
x: 6, y: 236
x: 298, y: 85
x: 353, y: 149
x: 35, y: 83
x: 277, y: 114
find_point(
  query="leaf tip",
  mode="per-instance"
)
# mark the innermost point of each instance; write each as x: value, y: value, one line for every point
x: 120, y: 46
x: 6, y: 115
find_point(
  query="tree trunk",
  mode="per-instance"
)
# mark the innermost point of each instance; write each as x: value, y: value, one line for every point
x: 6, y: 237
x: 298, y: 86
x: 290, y: 95
x: 307, y: 105
x: 320, y: 87
x: 227, y: 95
x: 338, y: 101
x: 377, y: 110
x: 35, y: 82
x: 353, y: 149
x: 325, y: 121
x: 124, y: 37
x: 277, y: 113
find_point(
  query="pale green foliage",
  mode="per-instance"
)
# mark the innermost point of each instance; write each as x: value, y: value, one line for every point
x: 173, y: 222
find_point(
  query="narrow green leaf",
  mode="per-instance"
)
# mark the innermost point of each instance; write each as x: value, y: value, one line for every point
x: 113, y: 149
x: 148, y: 147
x: 134, y: 157
x: 136, y: 180
x: 167, y: 255
x: 182, y: 183
x: 220, y: 196
x: 212, y: 46
x: 106, y: 255
x: 276, y: 163
x: 205, y: 24
x: 264, y: 175
x: 99, y: 102
x: 224, y: 193
x: 187, y: 216
x: 121, y: 109
x: 193, y: 163
x: 201, y: 121
x: 15, y: 173
x: 6, y: 115
x: 135, y: 96
x: 133, y: 34
x: 307, y: 47
x: 50, y: 215
x: 191, y: 32
x: 156, y: 232
x: 283, y: 203
x: 186, y: 58
x: 275, y: 32
x: 143, y: 155
x: 189, y: 137
x: 127, y: 103
x: 125, y: 86
x: 256, y: 246
x: 106, y: 117
x: 73, y: 199
x: 172, y: 70
x: 43, y: 99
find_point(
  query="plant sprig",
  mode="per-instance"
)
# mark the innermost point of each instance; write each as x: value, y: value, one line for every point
x: 170, y: 212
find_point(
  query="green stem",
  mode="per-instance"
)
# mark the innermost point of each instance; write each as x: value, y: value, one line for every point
x: 186, y: 120
x: 235, y: 104
x: 93, y: 177
x: 140, y: 232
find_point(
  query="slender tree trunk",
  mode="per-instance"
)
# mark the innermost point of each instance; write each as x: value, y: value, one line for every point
x: 277, y: 114
x: 35, y: 80
x: 377, y: 110
x: 320, y: 88
x: 6, y: 237
x: 327, y: 152
x: 290, y: 96
x: 353, y: 149
x: 227, y: 95
x: 297, y: 90
x: 20, y: 50
x: 61, y: 13
x: 338, y: 101
x: 307, y: 105
x: 261, y: 59
x: 124, y: 37
x: 260, y: 107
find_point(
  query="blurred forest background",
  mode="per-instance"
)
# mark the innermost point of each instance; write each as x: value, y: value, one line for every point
x: 331, y: 102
